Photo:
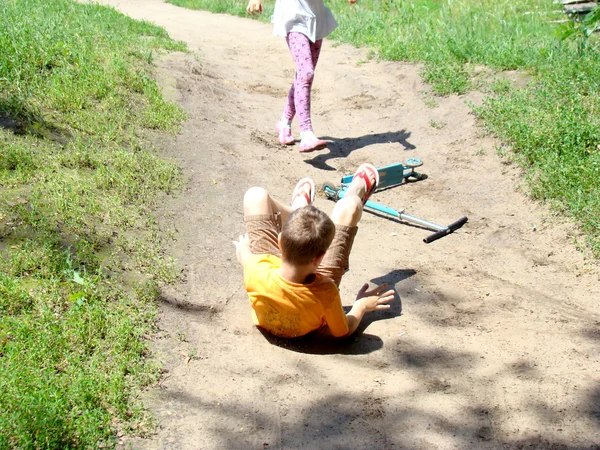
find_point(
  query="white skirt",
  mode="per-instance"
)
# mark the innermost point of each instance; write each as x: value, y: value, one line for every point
x: 309, y: 17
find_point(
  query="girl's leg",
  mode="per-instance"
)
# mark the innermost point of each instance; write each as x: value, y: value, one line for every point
x: 284, y: 126
x: 315, y: 51
x: 290, y: 108
x: 305, y: 55
x: 298, y: 43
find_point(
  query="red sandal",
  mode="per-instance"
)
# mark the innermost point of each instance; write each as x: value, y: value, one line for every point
x: 306, y: 188
x: 370, y: 176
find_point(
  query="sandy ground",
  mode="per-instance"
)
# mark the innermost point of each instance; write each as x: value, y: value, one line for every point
x: 493, y: 339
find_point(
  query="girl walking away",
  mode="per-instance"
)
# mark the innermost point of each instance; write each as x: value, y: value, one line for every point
x: 303, y: 24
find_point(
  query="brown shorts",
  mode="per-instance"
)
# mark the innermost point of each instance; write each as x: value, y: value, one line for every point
x: 263, y: 230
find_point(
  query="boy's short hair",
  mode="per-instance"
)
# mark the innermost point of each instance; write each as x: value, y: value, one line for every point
x: 306, y: 234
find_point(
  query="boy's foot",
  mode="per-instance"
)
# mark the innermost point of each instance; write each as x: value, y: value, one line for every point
x: 369, y: 174
x: 304, y: 193
x: 284, y: 134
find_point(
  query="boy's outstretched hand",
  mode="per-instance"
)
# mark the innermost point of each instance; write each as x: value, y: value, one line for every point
x: 242, y: 248
x: 375, y: 299
x: 254, y: 6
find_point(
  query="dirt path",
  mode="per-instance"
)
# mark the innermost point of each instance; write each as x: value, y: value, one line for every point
x: 493, y: 341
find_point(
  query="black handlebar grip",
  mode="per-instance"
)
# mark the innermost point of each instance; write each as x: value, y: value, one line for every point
x: 449, y: 229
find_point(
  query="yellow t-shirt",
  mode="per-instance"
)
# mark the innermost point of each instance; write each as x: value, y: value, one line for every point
x: 289, y: 309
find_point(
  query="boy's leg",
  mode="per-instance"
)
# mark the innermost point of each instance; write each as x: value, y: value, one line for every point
x: 346, y: 214
x: 264, y: 215
x: 258, y: 201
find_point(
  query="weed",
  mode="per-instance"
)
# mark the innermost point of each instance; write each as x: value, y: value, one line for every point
x: 581, y: 30
x: 438, y: 125
x: 182, y: 336
x: 429, y: 99
x: 500, y: 86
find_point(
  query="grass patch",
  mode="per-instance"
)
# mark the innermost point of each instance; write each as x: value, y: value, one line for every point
x: 552, y: 124
x: 80, y: 255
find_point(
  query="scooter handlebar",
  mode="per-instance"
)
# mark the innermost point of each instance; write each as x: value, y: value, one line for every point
x: 449, y: 229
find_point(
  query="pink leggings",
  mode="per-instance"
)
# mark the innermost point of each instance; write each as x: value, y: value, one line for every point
x: 306, y: 55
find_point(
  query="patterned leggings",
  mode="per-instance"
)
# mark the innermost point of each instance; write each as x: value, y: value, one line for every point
x: 306, y: 55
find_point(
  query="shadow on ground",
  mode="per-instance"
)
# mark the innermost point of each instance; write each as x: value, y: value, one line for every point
x: 30, y: 123
x: 342, y: 147
x: 313, y: 343
x: 348, y: 418
x: 359, y: 343
x: 360, y: 419
x: 171, y: 301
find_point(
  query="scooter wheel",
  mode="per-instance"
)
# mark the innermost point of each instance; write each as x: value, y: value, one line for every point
x: 413, y: 162
x: 331, y: 191
x: 416, y: 177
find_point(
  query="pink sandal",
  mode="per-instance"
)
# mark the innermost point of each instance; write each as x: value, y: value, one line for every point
x: 284, y: 134
x: 306, y: 188
x: 311, y: 146
x: 370, y: 176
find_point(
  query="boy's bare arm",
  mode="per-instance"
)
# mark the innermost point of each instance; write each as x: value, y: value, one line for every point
x: 367, y: 301
x: 242, y: 249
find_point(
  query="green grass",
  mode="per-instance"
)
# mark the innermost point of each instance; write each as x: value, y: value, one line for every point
x: 552, y: 123
x: 80, y: 255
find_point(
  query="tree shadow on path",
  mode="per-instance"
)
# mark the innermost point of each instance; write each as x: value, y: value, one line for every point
x: 357, y: 418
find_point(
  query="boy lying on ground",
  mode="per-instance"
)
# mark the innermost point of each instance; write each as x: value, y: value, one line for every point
x: 294, y: 258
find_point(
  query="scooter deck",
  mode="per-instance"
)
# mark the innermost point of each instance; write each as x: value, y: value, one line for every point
x: 389, y: 176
